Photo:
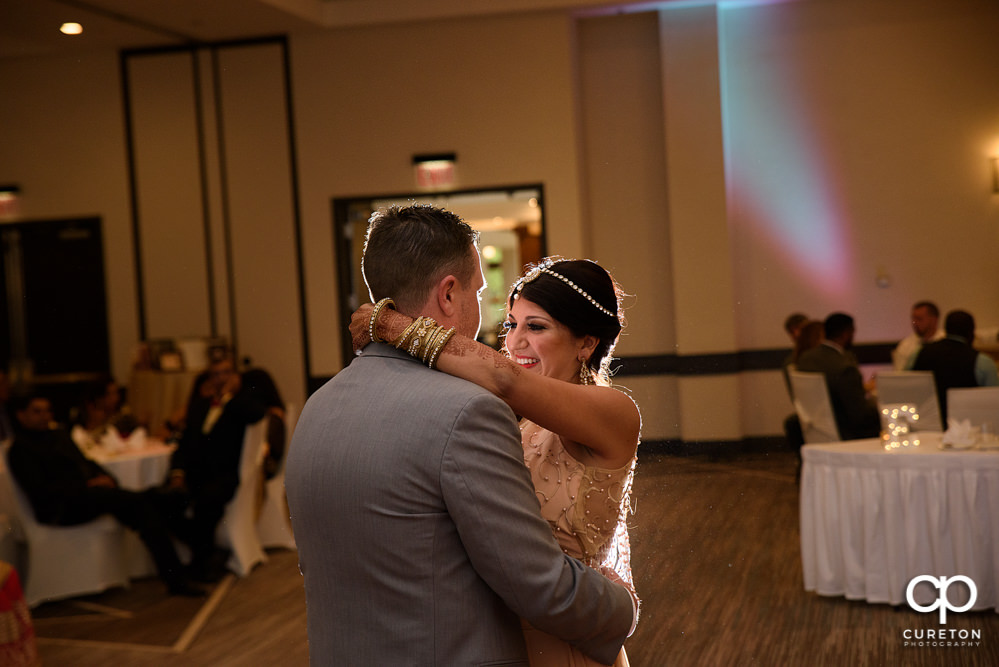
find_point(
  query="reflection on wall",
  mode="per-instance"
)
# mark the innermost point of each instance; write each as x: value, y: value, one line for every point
x: 794, y: 204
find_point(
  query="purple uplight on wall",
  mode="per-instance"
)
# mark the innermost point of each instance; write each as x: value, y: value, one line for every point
x: 780, y: 184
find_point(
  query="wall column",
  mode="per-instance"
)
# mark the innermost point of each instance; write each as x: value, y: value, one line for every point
x: 700, y: 246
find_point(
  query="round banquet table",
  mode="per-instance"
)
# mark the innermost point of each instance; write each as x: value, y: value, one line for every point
x: 139, y: 469
x: 873, y: 518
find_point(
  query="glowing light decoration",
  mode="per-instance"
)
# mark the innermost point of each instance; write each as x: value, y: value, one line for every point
x: 779, y: 179
x: 898, y: 425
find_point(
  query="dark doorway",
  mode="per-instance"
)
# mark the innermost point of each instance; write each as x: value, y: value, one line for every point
x: 54, y: 328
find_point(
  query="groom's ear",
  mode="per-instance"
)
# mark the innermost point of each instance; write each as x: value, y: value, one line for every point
x: 446, y: 295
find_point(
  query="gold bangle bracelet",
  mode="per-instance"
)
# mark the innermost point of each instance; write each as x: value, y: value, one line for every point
x: 440, y: 348
x: 431, y: 342
x: 403, y: 338
x: 417, y: 342
x: 373, y: 322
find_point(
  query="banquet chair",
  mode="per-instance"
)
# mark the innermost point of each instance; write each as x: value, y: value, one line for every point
x: 237, y: 530
x: 274, y: 522
x: 915, y: 388
x: 66, y: 561
x: 814, y: 408
x: 978, y: 405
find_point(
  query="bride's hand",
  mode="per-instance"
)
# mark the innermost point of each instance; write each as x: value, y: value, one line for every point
x: 359, y: 333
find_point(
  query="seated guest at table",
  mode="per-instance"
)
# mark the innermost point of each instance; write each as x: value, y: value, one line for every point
x: 856, y: 415
x: 98, y: 410
x: 925, y: 319
x: 808, y: 336
x: 262, y: 386
x: 65, y: 488
x: 954, y: 362
x: 792, y: 326
x: 205, y: 467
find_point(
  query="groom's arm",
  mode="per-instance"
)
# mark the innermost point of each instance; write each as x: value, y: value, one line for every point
x: 491, y: 499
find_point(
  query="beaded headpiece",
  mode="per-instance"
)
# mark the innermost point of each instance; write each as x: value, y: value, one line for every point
x: 538, y: 270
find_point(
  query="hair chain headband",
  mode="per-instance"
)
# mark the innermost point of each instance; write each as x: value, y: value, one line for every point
x: 533, y: 275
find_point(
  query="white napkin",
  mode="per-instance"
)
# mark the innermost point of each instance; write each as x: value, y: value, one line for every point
x: 112, y: 441
x: 959, y: 433
x: 137, y: 439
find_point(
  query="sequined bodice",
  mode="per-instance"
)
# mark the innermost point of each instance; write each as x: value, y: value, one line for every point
x: 586, y: 506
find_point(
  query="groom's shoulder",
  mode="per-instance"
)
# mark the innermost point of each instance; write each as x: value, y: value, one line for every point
x: 388, y: 372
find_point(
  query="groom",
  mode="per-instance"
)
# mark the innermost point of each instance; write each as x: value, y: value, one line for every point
x: 419, y: 534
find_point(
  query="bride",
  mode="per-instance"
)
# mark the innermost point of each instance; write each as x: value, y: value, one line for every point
x: 580, y: 436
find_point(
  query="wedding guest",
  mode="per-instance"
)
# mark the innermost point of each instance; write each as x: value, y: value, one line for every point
x: 925, y: 319
x: 205, y: 467
x: 856, y: 415
x: 99, y: 411
x: 792, y: 326
x: 808, y: 336
x: 261, y: 385
x: 65, y: 488
x: 953, y: 360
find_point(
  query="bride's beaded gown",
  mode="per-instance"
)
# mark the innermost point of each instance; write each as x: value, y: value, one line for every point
x: 587, y: 508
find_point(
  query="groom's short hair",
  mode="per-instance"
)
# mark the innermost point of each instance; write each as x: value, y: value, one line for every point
x: 409, y: 249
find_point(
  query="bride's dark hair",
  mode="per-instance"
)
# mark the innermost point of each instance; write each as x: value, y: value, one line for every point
x: 583, y: 296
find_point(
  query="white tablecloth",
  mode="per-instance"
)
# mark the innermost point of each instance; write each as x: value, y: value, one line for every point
x: 140, y: 469
x: 872, y: 520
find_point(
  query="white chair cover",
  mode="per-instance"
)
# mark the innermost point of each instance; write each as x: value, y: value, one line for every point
x: 915, y: 388
x: 237, y: 530
x: 65, y: 561
x: 811, y: 402
x: 274, y: 523
x: 979, y: 405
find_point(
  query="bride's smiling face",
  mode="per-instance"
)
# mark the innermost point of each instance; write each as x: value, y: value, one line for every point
x: 539, y: 343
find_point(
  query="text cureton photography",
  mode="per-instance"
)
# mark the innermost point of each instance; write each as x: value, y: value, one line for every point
x: 945, y: 637
x: 941, y: 637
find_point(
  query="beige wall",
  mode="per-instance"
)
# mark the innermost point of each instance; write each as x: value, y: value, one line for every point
x: 713, y: 159
x: 63, y: 143
x: 626, y: 207
x: 496, y: 92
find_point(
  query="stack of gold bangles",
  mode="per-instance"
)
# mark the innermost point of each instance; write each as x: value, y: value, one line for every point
x: 423, y: 339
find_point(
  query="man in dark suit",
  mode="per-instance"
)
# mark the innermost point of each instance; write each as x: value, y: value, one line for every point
x: 205, y: 467
x: 65, y: 488
x: 856, y: 415
x: 418, y: 529
x: 953, y: 360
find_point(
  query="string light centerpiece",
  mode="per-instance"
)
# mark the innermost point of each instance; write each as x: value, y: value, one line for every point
x: 899, y: 424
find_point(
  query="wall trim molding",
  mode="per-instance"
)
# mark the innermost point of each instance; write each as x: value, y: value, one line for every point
x: 723, y: 363
x: 729, y: 363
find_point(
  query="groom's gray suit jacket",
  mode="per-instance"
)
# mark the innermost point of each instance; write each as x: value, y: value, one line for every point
x: 418, y: 530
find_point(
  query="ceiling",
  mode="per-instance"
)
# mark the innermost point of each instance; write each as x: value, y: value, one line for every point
x: 30, y: 28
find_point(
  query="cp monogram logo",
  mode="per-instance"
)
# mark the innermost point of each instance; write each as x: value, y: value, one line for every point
x: 942, y: 602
